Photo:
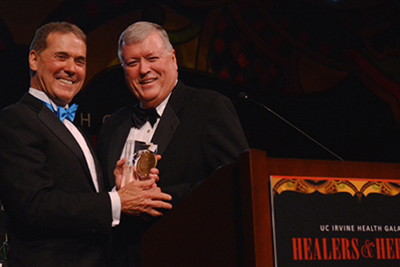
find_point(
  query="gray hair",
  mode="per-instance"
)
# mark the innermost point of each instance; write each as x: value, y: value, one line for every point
x: 139, y: 31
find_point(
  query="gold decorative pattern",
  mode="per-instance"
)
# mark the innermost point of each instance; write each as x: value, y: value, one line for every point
x: 328, y: 186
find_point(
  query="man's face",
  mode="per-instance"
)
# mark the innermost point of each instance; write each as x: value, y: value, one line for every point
x: 150, y: 71
x: 60, y: 68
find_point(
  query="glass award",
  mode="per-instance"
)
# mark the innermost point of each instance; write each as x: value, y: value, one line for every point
x: 129, y: 152
x: 140, y: 159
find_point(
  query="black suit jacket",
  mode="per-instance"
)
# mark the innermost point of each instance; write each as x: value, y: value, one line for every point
x: 54, y: 215
x: 199, y: 131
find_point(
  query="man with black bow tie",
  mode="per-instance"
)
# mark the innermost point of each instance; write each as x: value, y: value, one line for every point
x: 196, y: 131
x: 51, y: 185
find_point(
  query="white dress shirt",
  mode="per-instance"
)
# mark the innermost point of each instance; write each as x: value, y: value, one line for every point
x: 146, y: 132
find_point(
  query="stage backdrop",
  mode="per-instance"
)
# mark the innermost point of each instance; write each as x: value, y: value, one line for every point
x: 328, y: 67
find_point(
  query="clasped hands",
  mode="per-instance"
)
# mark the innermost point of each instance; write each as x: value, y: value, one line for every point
x: 140, y: 197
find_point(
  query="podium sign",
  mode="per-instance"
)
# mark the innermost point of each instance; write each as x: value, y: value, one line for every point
x: 312, y: 213
x: 321, y: 221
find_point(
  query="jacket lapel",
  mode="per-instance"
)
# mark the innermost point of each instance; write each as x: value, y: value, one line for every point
x: 117, y: 144
x: 166, y: 129
x: 169, y: 121
x: 58, y: 128
x: 99, y: 172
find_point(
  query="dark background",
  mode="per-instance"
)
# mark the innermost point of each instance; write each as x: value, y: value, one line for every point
x: 329, y: 67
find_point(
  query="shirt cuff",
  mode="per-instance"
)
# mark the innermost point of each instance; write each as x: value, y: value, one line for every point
x: 115, y: 207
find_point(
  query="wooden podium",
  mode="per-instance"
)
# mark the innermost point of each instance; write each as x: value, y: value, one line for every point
x: 226, y: 221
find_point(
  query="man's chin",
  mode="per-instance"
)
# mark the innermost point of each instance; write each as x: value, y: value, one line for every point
x: 64, y: 99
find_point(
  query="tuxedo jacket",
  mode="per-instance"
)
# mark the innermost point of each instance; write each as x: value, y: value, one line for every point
x: 198, y: 132
x: 54, y: 215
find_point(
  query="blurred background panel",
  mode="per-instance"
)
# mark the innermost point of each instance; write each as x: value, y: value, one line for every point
x: 329, y: 67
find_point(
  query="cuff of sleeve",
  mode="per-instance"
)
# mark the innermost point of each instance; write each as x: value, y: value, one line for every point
x: 115, y: 207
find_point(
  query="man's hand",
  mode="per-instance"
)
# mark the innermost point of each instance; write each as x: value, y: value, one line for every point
x: 143, y: 197
x: 120, y: 168
x: 119, y: 173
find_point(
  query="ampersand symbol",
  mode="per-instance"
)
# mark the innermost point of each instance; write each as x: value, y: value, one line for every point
x: 366, y: 250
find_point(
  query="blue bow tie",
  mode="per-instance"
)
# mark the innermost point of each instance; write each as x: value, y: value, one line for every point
x: 63, y: 113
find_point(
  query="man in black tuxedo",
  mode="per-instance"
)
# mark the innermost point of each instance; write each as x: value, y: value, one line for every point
x: 58, y: 213
x: 196, y: 131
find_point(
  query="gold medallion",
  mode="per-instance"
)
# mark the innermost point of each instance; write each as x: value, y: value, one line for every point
x: 145, y: 161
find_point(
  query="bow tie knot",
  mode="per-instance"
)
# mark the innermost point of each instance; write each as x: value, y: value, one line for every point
x: 140, y: 116
x: 63, y: 113
x: 69, y: 114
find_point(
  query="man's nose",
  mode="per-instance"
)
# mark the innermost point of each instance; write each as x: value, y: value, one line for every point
x: 70, y: 66
x: 144, y: 67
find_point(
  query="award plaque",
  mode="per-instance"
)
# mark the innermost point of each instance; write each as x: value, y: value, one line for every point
x: 140, y: 159
x: 144, y: 161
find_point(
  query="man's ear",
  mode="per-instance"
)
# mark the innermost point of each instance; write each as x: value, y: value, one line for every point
x: 174, y: 59
x: 33, y: 58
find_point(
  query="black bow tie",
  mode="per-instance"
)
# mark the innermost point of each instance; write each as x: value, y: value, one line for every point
x: 140, y: 116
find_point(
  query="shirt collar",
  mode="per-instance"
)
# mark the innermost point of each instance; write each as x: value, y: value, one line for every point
x: 45, y: 98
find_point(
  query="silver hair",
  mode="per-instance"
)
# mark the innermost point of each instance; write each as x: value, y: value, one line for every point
x: 139, y: 31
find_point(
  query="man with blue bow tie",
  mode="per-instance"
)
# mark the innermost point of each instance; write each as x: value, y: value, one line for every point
x: 50, y: 181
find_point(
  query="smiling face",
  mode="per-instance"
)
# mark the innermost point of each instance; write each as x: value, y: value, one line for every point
x: 151, y: 71
x: 60, y: 69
